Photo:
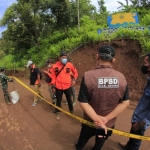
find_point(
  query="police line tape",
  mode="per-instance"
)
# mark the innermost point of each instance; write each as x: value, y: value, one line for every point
x: 83, y: 120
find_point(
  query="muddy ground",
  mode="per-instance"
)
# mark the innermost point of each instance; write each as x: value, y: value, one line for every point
x: 23, y: 127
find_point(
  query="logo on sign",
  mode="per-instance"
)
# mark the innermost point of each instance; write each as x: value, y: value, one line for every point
x: 111, y: 82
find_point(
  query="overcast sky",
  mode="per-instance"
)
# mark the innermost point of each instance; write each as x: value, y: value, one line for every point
x: 111, y: 5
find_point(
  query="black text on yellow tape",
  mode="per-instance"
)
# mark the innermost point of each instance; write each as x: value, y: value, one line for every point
x: 83, y: 120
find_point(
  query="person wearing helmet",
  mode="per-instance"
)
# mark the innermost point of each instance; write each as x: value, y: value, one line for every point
x: 4, y: 83
x: 35, y: 80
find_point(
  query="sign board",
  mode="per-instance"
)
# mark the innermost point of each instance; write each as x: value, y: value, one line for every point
x: 122, y: 19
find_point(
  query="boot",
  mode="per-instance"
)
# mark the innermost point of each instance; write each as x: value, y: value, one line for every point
x: 123, y: 144
x: 57, y: 116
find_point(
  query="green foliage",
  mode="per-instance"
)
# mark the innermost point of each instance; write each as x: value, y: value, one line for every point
x: 102, y: 8
x: 38, y: 30
x: 7, y: 61
x: 145, y: 44
x: 145, y: 3
x: 146, y: 20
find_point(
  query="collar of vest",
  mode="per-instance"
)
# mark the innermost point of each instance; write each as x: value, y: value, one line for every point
x: 103, y: 66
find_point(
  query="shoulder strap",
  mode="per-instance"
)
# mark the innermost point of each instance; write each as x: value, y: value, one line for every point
x: 60, y: 70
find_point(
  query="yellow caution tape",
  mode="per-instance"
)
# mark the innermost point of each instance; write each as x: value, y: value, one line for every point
x: 83, y: 120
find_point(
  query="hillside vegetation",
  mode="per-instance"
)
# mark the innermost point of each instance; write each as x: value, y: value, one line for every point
x: 40, y: 29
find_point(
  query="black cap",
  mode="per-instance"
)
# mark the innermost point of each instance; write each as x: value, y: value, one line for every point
x: 63, y: 54
x: 48, y: 61
x: 107, y: 50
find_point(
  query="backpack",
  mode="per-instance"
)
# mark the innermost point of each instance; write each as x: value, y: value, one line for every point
x: 48, y: 79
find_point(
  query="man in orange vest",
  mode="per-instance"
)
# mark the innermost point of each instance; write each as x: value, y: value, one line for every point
x: 35, y: 80
x: 61, y: 80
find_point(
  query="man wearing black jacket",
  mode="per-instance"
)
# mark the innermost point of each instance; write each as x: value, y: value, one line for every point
x: 35, y: 80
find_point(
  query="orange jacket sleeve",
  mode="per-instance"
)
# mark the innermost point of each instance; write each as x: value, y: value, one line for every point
x: 53, y: 75
x: 49, y: 72
x: 74, y: 71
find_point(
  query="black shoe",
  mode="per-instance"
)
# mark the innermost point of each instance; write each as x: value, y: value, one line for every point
x: 55, y: 111
x: 77, y: 147
x: 72, y: 111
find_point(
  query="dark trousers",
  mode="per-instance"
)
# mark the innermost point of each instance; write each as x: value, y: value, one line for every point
x: 134, y: 144
x: 73, y: 90
x: 59, y: 94
x: 85, y: 134
x: 6, y: 95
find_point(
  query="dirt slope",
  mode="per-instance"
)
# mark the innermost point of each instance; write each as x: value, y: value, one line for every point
x: 128, y: 62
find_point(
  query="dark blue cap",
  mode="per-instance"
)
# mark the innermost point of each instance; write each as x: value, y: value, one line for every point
x: 63, y: 54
